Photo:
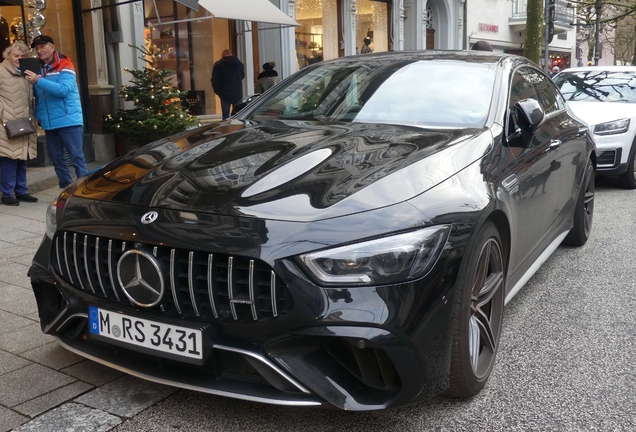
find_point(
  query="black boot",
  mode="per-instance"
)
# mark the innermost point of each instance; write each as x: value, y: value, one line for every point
x: 10, y: 201
x: 27, y: 198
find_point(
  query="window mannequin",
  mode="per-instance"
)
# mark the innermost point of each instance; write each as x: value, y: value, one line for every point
x: 366, y: 49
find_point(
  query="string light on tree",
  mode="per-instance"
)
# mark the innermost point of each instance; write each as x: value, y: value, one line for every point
x: 158, y: 110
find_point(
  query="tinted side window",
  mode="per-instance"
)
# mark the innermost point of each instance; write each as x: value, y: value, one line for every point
x: 546, y: 93
x: 559, y: 98
x: 521, y: 88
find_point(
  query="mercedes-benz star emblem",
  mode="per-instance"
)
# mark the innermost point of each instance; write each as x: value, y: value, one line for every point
x: 140, y: 278
x: 149, y: 217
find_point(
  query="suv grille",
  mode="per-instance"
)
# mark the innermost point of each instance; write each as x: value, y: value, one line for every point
x: 197, y: 284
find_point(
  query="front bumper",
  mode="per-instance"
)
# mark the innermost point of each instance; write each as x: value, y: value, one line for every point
x: 354, y: 349
x: 613, y: 154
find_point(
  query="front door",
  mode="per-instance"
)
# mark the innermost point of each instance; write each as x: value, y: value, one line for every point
x: 538, y: 172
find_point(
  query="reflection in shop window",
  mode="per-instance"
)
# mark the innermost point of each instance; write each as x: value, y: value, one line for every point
x: 317, y: 35
x: 373, y: 25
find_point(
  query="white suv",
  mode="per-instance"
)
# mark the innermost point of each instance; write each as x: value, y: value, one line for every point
x: 605, y: 98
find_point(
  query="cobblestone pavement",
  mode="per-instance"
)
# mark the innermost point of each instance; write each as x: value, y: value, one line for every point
x: 566, y: 360
x: 43, y: 387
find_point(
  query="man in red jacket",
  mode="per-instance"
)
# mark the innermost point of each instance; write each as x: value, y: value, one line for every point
x: 58, y: 109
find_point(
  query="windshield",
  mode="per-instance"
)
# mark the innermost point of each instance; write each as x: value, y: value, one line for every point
x: 598, y: 86
x: 428, y: 93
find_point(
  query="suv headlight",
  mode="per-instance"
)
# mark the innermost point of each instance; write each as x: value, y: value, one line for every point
x: 386, y: 260
x: 612, y: 128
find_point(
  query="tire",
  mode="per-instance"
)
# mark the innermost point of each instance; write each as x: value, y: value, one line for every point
x: 627, y: 180
x: 584, y: 211
x: 479, y: 315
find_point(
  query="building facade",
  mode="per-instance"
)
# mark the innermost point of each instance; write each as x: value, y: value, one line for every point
x: 98, y: 35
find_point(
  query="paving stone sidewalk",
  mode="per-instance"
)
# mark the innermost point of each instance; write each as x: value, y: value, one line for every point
x: 44, y: 387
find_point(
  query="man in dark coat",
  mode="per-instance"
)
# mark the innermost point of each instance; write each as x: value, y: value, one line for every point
x: 227, y: 77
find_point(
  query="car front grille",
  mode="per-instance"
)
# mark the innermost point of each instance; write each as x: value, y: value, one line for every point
x: 607, y: 158
x: 197, y: 284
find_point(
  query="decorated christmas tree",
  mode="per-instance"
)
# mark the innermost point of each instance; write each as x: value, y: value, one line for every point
x: 158, y: 110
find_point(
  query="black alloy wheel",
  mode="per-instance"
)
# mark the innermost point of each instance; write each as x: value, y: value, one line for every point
x: 477, y: 327
x: 584, y: 211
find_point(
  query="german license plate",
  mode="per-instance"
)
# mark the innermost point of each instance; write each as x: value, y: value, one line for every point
x: 139, y: 332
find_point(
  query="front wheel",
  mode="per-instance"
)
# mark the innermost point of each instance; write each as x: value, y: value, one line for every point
x: 584, y: 211
x: 477, y: 324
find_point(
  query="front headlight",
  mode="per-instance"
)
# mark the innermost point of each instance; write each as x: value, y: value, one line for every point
x: 51, y: 219
x: 612, y: 128
x: 386, y: 260
x: 54, y: 211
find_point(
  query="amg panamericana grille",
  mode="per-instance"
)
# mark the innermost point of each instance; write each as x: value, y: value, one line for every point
x: 196, y: 284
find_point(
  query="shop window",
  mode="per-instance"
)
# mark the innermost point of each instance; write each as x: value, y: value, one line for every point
x: 562, y: 60
x: 171, y: 38
x: 11, y: 27
x: 317, y: 35
x: 58, y: 23
x: 372, y: 32
x: 190, y: 49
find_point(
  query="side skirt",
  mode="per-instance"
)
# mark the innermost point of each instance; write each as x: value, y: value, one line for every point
x: 535, y: 266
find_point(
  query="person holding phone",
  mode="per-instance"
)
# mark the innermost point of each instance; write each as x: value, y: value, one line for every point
x: 58, y: 109
x: 15, y: 97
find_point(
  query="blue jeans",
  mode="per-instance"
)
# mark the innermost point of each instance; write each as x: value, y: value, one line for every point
x: 13, y: 177
x: 72, y: 139
x: 225, y: 108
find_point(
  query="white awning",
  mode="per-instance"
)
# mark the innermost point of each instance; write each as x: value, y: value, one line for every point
x: 247, y: 10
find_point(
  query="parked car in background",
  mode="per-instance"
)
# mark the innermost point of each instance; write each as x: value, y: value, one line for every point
x: 605, y: 98
x: 348, y: 240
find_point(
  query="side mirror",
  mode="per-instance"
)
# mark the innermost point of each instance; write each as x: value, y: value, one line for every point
x: 244, y: 102
x: 531, y: 113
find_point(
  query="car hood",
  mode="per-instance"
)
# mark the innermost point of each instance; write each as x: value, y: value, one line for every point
x: 594, y: 113
x: 287, y: 170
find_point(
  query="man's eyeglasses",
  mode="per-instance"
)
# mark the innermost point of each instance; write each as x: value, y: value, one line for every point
x: 42, y: 46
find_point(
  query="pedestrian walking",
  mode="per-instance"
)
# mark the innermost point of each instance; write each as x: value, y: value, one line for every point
x: 16, y: 95
x: 58, y: 109
x: 555, y: 70
x: 227, y: 81
x: 268, y: 78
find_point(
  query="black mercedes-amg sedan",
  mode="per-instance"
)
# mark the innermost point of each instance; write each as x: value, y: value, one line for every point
x: 349, y: 239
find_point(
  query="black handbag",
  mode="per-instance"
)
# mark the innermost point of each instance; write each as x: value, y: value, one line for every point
x: 18, y: 127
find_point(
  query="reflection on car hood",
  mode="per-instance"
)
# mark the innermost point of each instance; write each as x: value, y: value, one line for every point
x: 594, y: 113
x: 288, y: 170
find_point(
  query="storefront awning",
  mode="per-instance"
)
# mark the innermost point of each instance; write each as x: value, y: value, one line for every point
x: 247, y: 10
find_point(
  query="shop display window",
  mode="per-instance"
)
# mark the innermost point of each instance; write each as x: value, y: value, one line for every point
x: 372, y: 30
x: 317, y: 35
x: 560, y: 59
x: 11, y: 27
x: 190, y: 49
x: 59, y: 25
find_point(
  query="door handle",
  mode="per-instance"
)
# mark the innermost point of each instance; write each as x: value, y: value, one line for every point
x: 555, y: 144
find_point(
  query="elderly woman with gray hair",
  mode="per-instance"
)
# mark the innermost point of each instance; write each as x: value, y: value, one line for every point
x: 16, y: 96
